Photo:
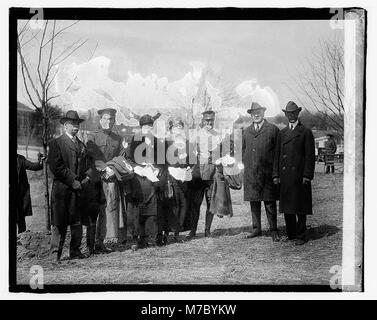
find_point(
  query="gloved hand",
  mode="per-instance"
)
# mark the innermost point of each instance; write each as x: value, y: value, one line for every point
x: 76, y: 185
x: 276, y: 180
x: 305, y: 180
x: 109, y: 172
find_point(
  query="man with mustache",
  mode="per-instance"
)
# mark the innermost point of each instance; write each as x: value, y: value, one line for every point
x: 68, y: 163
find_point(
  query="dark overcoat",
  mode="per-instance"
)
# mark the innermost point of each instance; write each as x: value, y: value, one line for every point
x: 67, y: 163
x: 295, y: 159
x: 258, y: 148
x: 23, y: 188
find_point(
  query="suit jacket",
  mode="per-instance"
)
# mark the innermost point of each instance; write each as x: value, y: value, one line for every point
x: 67, y: 163
x: 295, y: 159
x: 24, y: 207
x: 258, y: 148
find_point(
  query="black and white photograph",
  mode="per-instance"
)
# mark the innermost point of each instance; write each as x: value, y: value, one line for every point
x: 187, y: 149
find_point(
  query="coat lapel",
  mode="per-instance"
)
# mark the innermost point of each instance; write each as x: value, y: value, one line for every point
x: 68, y: 142
x: 262, y: 129
x: 289, y: 135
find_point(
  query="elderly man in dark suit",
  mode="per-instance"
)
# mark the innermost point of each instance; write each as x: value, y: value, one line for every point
x: 67, y: 160
x: 258, y: 147
x: 294, y: 169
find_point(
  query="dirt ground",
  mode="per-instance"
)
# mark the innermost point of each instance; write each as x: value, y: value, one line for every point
x: 225, y: 258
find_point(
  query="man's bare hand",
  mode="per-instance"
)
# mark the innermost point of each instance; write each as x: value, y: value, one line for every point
x: 76, y: 185
x: 276, y: 180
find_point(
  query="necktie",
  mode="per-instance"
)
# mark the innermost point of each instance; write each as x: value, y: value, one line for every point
x: 257, y: 128
x: 291, y: 127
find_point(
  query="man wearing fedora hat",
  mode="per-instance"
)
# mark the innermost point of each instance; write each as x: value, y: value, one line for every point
x: 258, y: 148
x: 294, y: 169
x: 104, y: 145
x: 68, y: 163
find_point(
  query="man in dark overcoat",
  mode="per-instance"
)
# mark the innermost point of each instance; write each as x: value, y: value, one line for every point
x: 294, y: 169
x: 67, y: 160
x: 258, y: 148
x: 23, y: 207
x: 104, y: 145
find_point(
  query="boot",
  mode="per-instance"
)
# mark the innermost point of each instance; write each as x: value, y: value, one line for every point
x: 208, y: 223
x: 90, y: 239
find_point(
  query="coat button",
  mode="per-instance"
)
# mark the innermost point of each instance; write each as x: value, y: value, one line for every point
x: 284, y: 156
x: 283, y: 168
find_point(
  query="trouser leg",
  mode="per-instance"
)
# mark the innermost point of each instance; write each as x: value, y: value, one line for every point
x: 112, y: 210
x: 90, y: 234
x: 301, y: 225
x: 101, y: 225
x: 197, y: 199
x: 209, y: 215
x: 21, y: 224
x: 332, y: 169
x: 58, y: 234
x: 255, y: 207
x: 327, y: 169
x: 271, y: 214
x: 76, y: 237
x: 290, y: 224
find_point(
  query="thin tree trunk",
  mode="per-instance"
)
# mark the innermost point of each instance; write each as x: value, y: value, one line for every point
x: 47, y: 196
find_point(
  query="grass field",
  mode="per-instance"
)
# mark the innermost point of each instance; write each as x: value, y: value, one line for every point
x: 225, y: 258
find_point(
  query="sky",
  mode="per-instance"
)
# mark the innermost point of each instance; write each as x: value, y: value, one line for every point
x: 268, y: 53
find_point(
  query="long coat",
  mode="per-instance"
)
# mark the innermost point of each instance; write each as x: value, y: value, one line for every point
x: 23, y: 188
x: 67, y: 163
x: 295, y: 159
x: 258, y: 148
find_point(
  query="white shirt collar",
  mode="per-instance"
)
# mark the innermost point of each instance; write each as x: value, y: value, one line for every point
x: 293, y: 124
x: 260, y: 124
x: 73, y: 138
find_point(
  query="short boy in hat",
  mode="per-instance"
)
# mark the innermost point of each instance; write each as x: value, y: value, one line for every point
x: 294, y: 170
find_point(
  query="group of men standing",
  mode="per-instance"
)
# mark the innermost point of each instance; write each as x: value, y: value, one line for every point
x: 89, y: 187
x: 279, y: 165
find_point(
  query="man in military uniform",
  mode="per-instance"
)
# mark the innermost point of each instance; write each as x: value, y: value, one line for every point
x: 208, y: 146
x: 104, y: 145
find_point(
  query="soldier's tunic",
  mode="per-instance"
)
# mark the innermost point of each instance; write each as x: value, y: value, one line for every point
x: 103, y: 146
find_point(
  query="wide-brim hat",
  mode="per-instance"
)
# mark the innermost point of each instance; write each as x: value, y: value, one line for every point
x: 292, y: 107
x: 110, y: 111
x: 71, y: 115
x: 146, y: 119
x: 208, y: 115
x: 255, y: 106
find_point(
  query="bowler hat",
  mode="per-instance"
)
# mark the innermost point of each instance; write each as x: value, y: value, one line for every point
x: 109, y: 111
x: 146, y: 119
x: 292, y: 107
x: 208, y: 115
x: 255, y: 106
x: 71, y: 115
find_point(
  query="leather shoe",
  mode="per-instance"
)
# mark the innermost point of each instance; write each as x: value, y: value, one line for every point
x: 101, y: 248
x: 77, y: 255
x: 275, y: 236
x: 190, y: 236
x: 253, y: 234
x: 300, y: 242
x: 207, y: 233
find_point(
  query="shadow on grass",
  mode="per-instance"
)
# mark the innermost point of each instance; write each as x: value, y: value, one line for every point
x: 321, y: 231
